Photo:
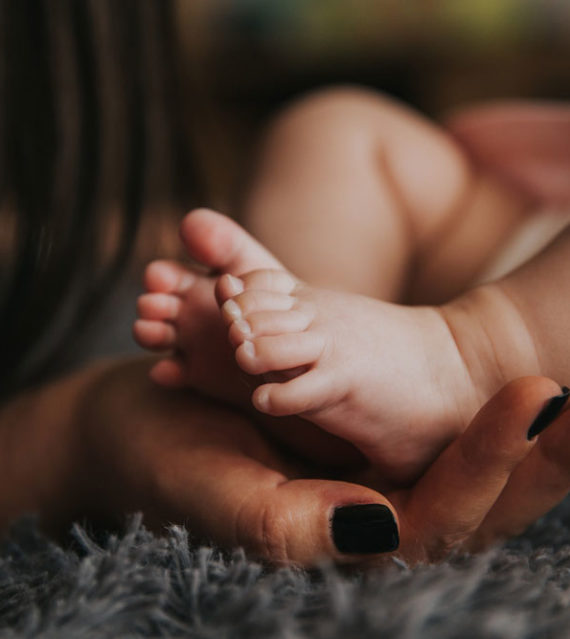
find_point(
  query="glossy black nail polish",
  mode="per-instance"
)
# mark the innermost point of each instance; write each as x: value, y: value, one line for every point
x: 364, y: 529
x: 549, y: 413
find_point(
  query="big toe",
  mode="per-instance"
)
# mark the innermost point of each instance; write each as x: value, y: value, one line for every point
x: 217, y: 241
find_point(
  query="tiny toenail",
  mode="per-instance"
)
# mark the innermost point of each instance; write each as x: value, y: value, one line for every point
x: 185, y: 282
x: 249, y: 349
x: 262, y: 401
x: 235, y: 284
x: 232, y: 310
x: 243, y: 327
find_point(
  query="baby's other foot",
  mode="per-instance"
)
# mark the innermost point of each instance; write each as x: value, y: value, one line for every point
x: 387, y: 378
x: 179, y: 311
x: 179, y: 314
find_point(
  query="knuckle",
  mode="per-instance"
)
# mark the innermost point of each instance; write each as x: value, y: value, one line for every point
x: 431, y: 543
x: 504, y: 449
x: 261, y: 530
x: 444, y: 546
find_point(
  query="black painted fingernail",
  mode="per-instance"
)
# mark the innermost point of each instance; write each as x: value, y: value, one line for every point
x: 365, y: 528
x: 549, y: 413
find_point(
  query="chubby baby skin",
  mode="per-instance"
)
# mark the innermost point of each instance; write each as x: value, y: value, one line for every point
x: 388, y: 378
x: 399, y: 382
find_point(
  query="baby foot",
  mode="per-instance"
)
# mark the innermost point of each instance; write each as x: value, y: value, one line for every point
x: 179, y: 311
x: 388, y: 378
x: 526, y: 143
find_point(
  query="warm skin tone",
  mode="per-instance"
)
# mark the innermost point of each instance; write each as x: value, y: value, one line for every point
x: 105, y: 441
x: 484, y: 332
x: 359, y: 193
x: 445, y: 216
x: 123, y: 444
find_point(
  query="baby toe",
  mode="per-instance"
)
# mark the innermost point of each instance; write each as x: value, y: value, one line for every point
x: 266, y: 354
x: 308, y: 392
x: 158, y: 306
x: 241, y: 306
x: 239, y: 331
x: 166, y: 276
x: 154, y: 335
x: 270, y: 280
x: 217, y: 241
x: 168, y: 372
x: 277, y: 281
x: 269, y: 323
x: 228, y: 286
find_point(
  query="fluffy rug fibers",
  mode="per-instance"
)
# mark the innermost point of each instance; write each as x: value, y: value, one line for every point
x: 139, y: 585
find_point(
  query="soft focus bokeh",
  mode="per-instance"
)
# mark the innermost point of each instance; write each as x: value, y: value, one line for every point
x: 253, y: 55
x: 98, y: 105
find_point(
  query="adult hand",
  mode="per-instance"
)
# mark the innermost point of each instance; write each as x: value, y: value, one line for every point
x: 182, y: 459
x: 493, y: 481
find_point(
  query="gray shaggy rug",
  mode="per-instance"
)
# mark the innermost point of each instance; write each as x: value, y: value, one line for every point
x: 139, y: 585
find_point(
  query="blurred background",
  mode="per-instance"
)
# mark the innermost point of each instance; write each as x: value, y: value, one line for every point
x: 123, y: 106
x: 251, y: 56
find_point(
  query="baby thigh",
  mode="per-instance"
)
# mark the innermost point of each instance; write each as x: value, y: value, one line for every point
x: 355, y: 190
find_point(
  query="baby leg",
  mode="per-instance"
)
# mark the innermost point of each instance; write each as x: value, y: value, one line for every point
x: 400, y: 382
x: 357, y: 192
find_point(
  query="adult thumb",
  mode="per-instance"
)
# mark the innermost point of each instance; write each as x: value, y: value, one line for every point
x: 307, y: 520
x: 228, y: 497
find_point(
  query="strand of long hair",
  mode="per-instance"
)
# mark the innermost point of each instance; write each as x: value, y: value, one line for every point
x: 86, y: 108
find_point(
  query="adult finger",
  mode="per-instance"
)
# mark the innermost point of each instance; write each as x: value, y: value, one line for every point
x: 538, y: 483
x: 452, y: 499
x: 228, y: 486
